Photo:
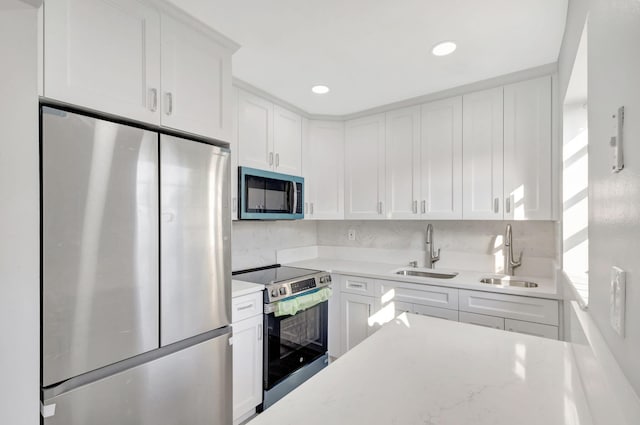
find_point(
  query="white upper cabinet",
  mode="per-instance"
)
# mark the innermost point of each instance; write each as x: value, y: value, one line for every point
x: 104, y: 55
x: 323, y: 169
x: 365, y: 168
x: 441, y: 160
x: 233, y: 146
x: 269, y: 137
x: 131, y: 59
x: 527, y: 150
x: 255, y: 131
x: 287, y: 138
x: 482, y: 153
x: 402, y: 163
x: 196, y: 81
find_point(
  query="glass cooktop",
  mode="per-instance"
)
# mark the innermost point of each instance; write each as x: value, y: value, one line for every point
x: 273, y: 275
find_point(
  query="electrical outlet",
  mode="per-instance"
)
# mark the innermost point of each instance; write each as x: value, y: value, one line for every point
x: 617, y: 299
x: 351, y: 234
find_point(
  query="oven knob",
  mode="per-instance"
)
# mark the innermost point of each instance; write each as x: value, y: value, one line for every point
x: 274, y: 293
x: 283, y: 290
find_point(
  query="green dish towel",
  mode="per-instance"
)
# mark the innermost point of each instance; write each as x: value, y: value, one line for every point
x: 303, y: 302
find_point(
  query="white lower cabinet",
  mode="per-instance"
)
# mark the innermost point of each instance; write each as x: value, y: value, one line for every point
x: 481, y: 320
x: 247, y: 355
x: 442, y: 313
x: 355, y: 312
x: 529, y: 328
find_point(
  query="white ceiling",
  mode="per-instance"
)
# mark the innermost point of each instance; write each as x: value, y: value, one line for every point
x: 374, y: 52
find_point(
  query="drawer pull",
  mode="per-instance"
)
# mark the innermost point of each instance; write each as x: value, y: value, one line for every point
x: 245, y: 307
x: 355, y: 285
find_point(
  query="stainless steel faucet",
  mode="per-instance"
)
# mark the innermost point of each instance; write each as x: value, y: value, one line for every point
x: 509, y: 263
x: 431, y: 259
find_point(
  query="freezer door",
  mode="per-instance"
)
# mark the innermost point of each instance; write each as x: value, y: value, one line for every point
x: 188, y: 387
x: 100, y: 243
x: 195, y: 238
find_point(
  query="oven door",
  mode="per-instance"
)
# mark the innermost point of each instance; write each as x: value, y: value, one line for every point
x: 292, y: 342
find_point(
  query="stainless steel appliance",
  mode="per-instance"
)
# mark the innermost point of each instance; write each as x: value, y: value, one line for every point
x: 265, y: 195
x: 295, y: 345
x: 136, y: 275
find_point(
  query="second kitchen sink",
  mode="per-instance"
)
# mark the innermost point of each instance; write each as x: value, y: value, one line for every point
x: 508, y: 282
x: 420, y: 273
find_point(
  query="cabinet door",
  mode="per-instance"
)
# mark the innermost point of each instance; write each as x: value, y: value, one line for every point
x: 233, y: 146
x: 482, y: 155
x: 247, y: 365
x: 196, y: 81
x: 355, y: 311
x: 441, y: 160
x: 287, y: 136
x: 529, y: 328
x: 104, y: 55
x: 402, y: 166
x: 255, y: 132
x: 527, y: 150
x: 364, y: 168
x: 323, y: 168
x: 482, y: 320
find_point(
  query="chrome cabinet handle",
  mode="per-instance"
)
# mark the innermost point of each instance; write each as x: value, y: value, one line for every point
x: 260, y: 332
x: 424, y: 207
x: 306, y: 207
x: 153, y: 99
x: 496, y: 205
x: 355, y: 285
x: 415, y: 207
x: 508, y: 204
x: 234, y: 204
x: 379, y: 207
x: 312, y: 208
x: 245, y: 307
x: 277, y: 160
x: 169, y: 99
x: 270, y: 158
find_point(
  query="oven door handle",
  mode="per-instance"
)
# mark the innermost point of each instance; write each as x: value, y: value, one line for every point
x: 291, y: 306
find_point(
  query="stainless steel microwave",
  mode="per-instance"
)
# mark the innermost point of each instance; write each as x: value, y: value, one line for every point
x: 265, y: 195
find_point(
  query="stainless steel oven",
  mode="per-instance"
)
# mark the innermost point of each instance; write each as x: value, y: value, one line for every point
x: 295, y: 326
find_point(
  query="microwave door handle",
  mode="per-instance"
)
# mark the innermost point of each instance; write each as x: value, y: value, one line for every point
x: 294, y: 206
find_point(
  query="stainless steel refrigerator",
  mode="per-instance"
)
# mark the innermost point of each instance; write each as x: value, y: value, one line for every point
x: 136, y: 275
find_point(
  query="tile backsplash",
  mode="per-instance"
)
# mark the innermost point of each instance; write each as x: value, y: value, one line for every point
x: 535, y: 238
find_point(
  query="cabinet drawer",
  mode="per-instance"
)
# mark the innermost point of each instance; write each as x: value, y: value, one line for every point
x: 510, y: 306
x: 481, y: 320
x: 442, y: 313
x: 246, y: 306
x: 426, y: 295
x: 357, y: 285
x: 537, y: 329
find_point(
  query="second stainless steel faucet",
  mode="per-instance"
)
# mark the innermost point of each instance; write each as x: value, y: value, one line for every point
x: 509, y: 263
x: 431, y: 259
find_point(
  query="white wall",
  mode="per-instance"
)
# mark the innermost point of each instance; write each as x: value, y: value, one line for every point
x: 19, y: 217
x: 614, y: 199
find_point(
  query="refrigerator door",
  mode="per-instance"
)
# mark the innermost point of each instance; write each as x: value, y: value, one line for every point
x: 195, y: 229
x: 188, y: 387
x: 100, y: 243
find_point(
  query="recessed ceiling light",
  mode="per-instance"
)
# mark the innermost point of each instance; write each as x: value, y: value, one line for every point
x: 320, y: 89
x: 444, y: 48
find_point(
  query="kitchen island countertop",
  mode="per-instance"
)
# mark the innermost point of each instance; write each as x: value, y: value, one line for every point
x: 420, y: 370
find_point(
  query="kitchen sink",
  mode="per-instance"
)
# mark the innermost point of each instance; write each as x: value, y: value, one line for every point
x: 508, y: 282
x: 419, y: 273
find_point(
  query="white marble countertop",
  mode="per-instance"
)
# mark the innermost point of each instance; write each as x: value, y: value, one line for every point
x: 427, y: 371
x: 464, y: 280
x: 240, y: 288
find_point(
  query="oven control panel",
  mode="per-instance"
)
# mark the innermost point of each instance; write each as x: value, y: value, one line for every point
x: 303, y: 285
x: 280, y: 291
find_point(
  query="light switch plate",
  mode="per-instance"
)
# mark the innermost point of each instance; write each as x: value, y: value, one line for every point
x: 617, y: 299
